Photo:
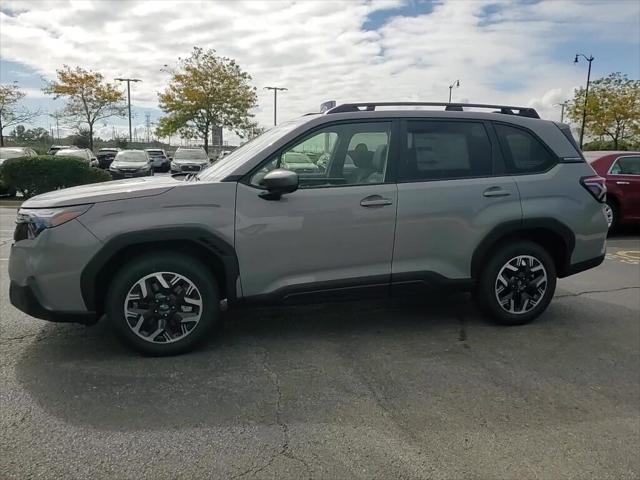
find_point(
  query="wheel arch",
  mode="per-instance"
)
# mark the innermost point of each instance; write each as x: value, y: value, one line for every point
x: 214, y: 252
x: 553, y: 235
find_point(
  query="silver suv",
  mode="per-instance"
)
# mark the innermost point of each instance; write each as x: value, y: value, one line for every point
x: 400, y: 201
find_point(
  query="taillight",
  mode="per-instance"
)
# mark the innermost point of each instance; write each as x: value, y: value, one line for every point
x: 596, y: 186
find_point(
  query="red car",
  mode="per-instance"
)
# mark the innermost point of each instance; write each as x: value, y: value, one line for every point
x: 622, y: 173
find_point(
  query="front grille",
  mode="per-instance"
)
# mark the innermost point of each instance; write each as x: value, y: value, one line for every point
x: 190, y: 168
x: 21, y: 232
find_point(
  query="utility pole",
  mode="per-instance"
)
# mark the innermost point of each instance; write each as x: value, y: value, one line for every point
x: 456, y: 84
x: 129, y: 80
x: 589, y: 59
x: 275, y: 100
x: 57, y: 116
x: 562, y: 106
x: 147, y: 124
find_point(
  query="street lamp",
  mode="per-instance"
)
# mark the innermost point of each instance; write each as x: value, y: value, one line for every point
x: 586, y: 92
x: 454, y: 84
x: 129, y: 80
x: 275, y: 99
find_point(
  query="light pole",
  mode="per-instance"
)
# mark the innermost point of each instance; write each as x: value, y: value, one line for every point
x: 589, y: 59
x: 454, y: 84
x: 129, y: 80
x: 275, y: 100
x: 562, y: 106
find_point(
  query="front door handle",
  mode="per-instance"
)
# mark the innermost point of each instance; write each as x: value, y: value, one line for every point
x: 375, y: 201
x: 496, y: 192
x: 622, y: 183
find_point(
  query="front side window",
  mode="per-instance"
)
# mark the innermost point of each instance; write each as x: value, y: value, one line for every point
x: 523, y: 152
x: 439, y: 150
x: 342, y: 154
x: 626, y: 166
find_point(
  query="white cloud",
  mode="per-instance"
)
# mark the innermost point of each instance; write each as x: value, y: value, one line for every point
x: 319, y: 49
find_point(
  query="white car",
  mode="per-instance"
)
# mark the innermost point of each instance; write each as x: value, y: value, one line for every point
x: 82, y: 153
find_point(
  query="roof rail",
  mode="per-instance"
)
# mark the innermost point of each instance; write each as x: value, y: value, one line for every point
x: 455, y: 107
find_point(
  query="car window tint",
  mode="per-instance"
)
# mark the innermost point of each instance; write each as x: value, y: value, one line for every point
x: 436, y: 150
x: 523, y: 152
x: 343, y: 154
x: 627, y: 166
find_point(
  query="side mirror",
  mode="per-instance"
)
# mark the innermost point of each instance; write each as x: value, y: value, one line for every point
x: 278, y: 182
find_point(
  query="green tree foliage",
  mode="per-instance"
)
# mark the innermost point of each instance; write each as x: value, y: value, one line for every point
x: 24, y: 135
x: 206, y: 91
x: 10, y: 113
x: 35, y: 175
x: 89, y: 97
x: 613, y: 109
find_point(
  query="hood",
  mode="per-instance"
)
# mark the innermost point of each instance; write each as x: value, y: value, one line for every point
x: 198, y: 161
x: 136, y: 165
x: 103, y: 192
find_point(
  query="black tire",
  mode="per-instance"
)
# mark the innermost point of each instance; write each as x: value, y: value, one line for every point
x: 486, y: 290
x: 163, y: 261
x: 615, y: 214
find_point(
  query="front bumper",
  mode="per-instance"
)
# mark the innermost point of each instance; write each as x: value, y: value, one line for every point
x: 116, y: 175
x: 26, y: 300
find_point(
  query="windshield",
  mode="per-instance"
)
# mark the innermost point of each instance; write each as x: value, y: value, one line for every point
x: 155, y: 153
x: 193, y: 154
x: 70, y: 153
x: 6, y: 153
x: 131, y: 156
x: 107, y: 150
x: 240, y: 155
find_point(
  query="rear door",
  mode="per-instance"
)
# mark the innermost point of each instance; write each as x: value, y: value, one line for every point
x: 448, y: 199
x: 335, y: 233
x: 624, y: 177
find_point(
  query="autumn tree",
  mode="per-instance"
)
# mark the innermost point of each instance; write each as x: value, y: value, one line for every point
x: 10, y: 113
x: 613, y: 109
x: 206, y: 91
x: 89, y: 97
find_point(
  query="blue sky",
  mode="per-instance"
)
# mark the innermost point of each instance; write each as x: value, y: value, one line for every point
x: 506, y: 51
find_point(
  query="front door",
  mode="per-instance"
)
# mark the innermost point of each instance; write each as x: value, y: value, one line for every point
x: 335, y: 233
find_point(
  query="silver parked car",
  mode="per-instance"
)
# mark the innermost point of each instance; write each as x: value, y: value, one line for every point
x: 189, y: 160
x: 83, y: 154
x: 16, y: 152
x: 499, y: 203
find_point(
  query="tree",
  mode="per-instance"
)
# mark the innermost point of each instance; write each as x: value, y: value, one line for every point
x: 206, y: 91
x: 613, y: 108
x: 10, y: 114
x: 89, y: 97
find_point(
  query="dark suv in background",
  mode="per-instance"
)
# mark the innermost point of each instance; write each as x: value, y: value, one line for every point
x: 105, y: 156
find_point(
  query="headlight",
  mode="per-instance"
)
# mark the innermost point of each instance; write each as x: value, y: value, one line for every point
x: 113, y: 169
x: 32, y: 221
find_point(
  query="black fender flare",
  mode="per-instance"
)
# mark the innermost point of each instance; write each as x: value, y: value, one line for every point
x: 218, y: 247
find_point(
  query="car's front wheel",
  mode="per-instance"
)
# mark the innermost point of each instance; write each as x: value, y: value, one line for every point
x: 163, y: 303
x: 517, y: 283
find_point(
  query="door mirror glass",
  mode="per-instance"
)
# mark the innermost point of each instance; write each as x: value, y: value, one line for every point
x: 278, y: 182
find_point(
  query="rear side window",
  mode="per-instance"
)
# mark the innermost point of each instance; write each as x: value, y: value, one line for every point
x: 437, y: 150
x: 523, y: 152
x: 626, y: 166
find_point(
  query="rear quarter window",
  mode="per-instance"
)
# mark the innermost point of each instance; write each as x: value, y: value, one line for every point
x: 523, y: 152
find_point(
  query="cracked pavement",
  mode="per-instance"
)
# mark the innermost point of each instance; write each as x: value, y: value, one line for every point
x: 387, y: 389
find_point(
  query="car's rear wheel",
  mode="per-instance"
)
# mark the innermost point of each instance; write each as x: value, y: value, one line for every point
x: 163, y: 303
x: 517, y: 283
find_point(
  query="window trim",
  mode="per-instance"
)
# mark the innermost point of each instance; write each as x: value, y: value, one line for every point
x: 502, y: 147
x: 616, y: 160
x: 495, y: 155
x: 246, y: 178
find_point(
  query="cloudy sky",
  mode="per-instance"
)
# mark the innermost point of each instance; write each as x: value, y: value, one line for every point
x: 511, y: 51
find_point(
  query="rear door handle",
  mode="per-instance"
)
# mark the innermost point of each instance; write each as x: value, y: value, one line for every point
x: 375, y: 201
x: 622, y: 183
x: 496, y: 192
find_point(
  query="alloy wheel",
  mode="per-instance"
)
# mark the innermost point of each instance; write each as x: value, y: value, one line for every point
x: 521, y: 284
x: 608, y: 213
x: 163, y: 307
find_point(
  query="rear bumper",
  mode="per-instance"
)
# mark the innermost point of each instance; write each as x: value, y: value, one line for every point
x: 25, y: 299
x: 581, y: 266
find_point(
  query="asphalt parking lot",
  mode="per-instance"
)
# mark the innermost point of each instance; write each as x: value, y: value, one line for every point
x: 390, y: 389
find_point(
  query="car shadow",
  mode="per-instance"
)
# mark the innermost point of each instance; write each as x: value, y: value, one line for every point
x: 412, y: 359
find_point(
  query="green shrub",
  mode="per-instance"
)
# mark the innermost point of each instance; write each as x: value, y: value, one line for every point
x: 4, y: 188
x: 44, y: 173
